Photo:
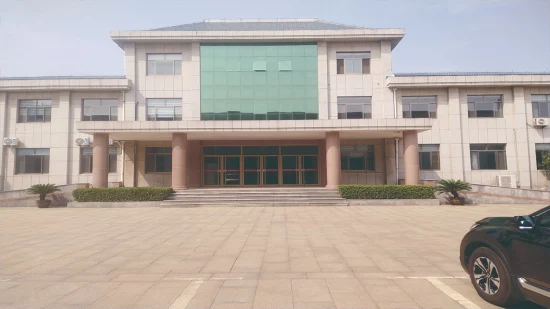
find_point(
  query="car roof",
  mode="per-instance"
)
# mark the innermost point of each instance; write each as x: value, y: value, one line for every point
x: 541, y: 211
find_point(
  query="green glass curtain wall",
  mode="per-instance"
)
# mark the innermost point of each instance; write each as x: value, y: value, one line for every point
x: 259, y: 81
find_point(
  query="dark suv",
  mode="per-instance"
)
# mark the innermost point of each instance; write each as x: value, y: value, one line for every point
x: 508, y: 259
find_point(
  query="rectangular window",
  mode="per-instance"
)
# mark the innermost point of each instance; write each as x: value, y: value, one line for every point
x: 419, y: 107
x: 485, y: 106
x: 428, y: 156
x: 164, y: 64
x: 99, y: 110
x: 158, y: 160
x: 259, y: 65
x: 488, y: 156
x: 285, y: 65
x: 541, y: 105
x: 87, y: 160
x: 353, y: 62
x: 354, y: 107
x: 357, y: 158
x: 164, y: 109
x: 541, y: 150
x: 35, y: 111
x: 32, y: 161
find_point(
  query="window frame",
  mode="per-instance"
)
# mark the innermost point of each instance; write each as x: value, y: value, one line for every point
x: 23, y: 157
x: 343, y: 102
x: 116, y: 107
x: 153, y: 170
x: 345, y: 57
x: 175, y: 72
x: 368, y: 153
x: 113, y: 158
x: 537, y: 105
x: 539, y: 153
x: 174, y: 107
x: 36, y: 107
x: 431, y: 114
x: 475, y: 112
x: 498, y: 160
x: 432, y: 155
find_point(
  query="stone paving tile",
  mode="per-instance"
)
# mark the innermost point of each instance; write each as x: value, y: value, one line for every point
x: 88, y: 294
x: 276, y: 293
x: 310, y: 291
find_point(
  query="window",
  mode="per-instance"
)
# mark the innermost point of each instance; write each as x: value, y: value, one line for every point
x: 35, y: 111
x: 259, y: 65
x: 357, y: 158
x: 32, y: 161
x: 87, y: 160
x: 544, y: 221
x: 164, y: 109
x: 353, y: 63
x: 285, y: 65
x: 354, y: 107
x: 164, y: 64
x: 483, y: 106
x: 488, y: 156
x: 541, y: 105
x: 158, y: 160
x: 428, y: 156
x: 541, y: 150
x: 419, y: 107
x: 99, y: 110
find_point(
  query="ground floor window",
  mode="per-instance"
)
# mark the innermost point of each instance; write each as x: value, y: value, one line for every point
x: 357, y: 158
x: 488, y: 156
x: 541, y: 150
x: 32, y: 161
x: 87, y: 160
x: 158, y: 160
x: 428, y: 156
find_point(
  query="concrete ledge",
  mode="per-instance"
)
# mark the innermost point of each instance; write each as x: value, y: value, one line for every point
x: 113, y: 204
x: 411, y: 202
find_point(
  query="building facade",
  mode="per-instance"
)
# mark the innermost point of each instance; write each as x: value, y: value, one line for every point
x: 224, y: 103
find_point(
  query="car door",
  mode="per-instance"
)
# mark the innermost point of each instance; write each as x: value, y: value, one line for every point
x: 531, y: 251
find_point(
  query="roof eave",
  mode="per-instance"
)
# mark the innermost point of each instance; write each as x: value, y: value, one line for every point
x: 468, y: 81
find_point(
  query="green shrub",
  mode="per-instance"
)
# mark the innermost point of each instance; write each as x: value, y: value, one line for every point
x: 385, y: 192
x: 129, y: 194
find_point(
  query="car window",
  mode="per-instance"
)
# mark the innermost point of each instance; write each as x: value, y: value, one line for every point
x: 545, y: 220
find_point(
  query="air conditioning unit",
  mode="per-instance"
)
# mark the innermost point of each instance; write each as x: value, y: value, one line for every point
x: 82, y: 141
x: 540, y: 122
x: 11, y: 141
x: 507, y: 181
x: 111, y: 142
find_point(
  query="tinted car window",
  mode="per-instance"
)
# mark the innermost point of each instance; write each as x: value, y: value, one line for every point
x: 545, y: 220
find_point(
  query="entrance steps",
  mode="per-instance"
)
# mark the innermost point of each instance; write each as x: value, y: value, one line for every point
x: 235, y: 197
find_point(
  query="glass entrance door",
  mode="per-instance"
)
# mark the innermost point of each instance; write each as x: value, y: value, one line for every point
x: 211, y: 167
x: 251, y: 170
x: 309, y: 170
x: 231, y: 173
x: 270, y: 170
x: 290, y: 170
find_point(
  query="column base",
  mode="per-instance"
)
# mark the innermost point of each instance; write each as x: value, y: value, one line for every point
x: 331, y: 187
x: 180, y: 188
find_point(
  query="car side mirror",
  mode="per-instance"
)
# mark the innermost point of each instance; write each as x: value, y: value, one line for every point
x: 524, y: 222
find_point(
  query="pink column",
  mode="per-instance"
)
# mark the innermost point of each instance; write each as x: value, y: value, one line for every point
x: 410, y: 146
x: 179, y: 161
x: 333, y: 159
x: 100, y: 170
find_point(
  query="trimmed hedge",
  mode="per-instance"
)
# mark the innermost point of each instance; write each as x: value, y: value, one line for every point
x: 384, y: 192
x: 129, y: 194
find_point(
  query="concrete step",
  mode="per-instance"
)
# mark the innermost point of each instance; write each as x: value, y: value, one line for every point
x: 253, y: 204
x: 255, y: 200
x: 258, y: 195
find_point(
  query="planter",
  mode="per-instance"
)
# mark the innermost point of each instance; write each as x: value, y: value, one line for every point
x: 457, y: 201
x: 43, y: 203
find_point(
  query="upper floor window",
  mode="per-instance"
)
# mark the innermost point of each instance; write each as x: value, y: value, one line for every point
x: 35, y: 111
x: 541, y: 105
x: 99, y: 110
x: 419, y: 107
x: 87, y: 160
x: 164, y: 109
x: 32, y: 161
x: 353, y: 63
x: 428, y: 156
x: 488, y: 156
x: 483, y: 106
x: 354, y: 107
x: 357, y: 158
x: 158, y: 160
x: 541, y: 150
x: 164, y: 64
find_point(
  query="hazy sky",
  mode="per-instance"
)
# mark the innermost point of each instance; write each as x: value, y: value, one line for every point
x: 71, y: 37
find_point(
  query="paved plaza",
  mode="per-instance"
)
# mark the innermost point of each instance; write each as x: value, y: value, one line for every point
x: 244, y: 257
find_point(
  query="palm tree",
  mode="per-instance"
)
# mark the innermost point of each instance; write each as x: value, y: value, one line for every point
x: 42, y: 191
x: 452, y: 186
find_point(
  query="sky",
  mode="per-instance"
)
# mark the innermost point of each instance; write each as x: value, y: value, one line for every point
x: 72, y: 37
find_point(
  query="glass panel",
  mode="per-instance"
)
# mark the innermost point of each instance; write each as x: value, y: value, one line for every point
x: 341, y: 111
x: 251, y: 167
x: 354, y: 111
x: 344, y: 161
x: 232, y: 171
x: 425, y: 160
x: 163, y: 163
x: 353, y: 99
x: 309, y: 170
x: 211, y: 170
x: 487, y: 160
x: 271, y: 170
x: 290, y: 170
x: 164, y: 68
x: 357, y: 161
x: 260, y: 150
x: 33, y: 164
x: 304, y: 150
x: 348, y: 65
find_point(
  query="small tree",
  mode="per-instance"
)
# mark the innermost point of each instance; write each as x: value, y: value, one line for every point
x: 544, y: 165
x: 43, y: 190
x: 453, y: 187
